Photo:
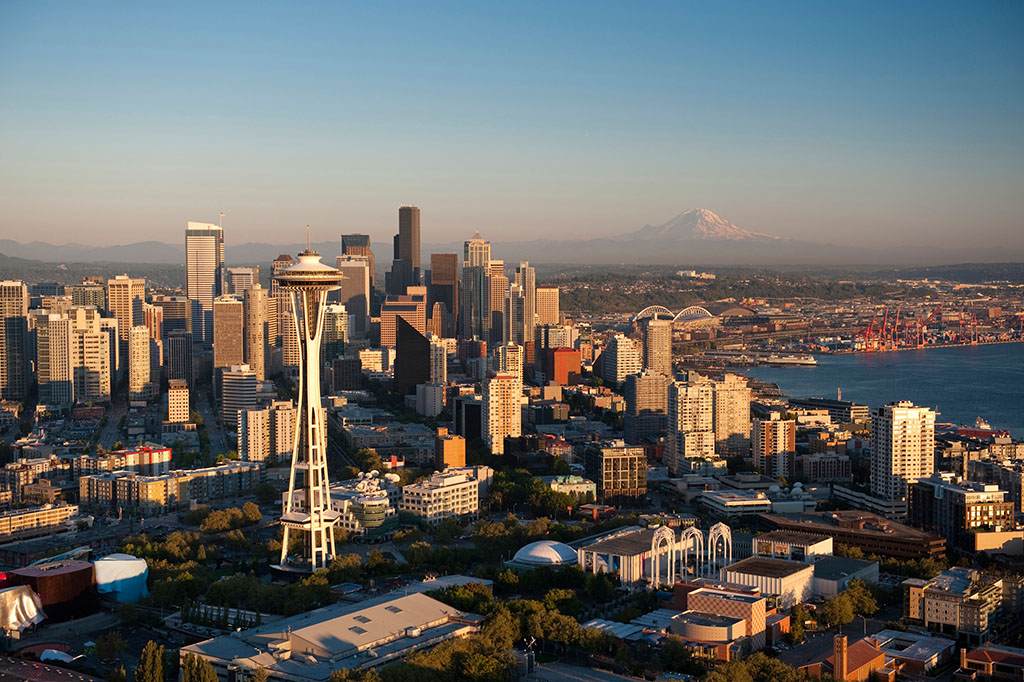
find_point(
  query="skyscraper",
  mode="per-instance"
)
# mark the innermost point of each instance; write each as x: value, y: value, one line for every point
x: 285, y: 338
x: 359, y: 245
x: 335, y: 333
x: 902, y: 448
x: 774, y: 446
x: 510, y: 360
x: 141, y: 386
x: 412, y: 357
x: 409, y: 239
x: 515, y: 316
x: 526, y: 278
x: 307, y: 505
x: 646, y: 407
x: 125, y: 298
x: 497, y: 290
x: 732, y: 416
x: 405, y: 269
x: 691, y: 426
x: 438, y: 362
x: 474, y: 317
x: 502, y: 411
x: 239, y: 390
x: 179, y: 357
x: 254, y: 304
x: 657, y: 345
x: 356, y: 290
x: 204, y: 269
x: 14, y: 361
x: 54, y: 370
x: 93, y: 354
x: 444, y: 288
x: 228, y: 332
x: 240, y: 279
x: 411, y: 307
x: 621, y: 358
x: 547, y: 306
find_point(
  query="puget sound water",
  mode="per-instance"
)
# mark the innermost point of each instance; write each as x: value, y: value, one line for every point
x: 962, y: 383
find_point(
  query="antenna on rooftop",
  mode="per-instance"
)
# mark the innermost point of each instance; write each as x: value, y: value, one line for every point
x: 307, y: 236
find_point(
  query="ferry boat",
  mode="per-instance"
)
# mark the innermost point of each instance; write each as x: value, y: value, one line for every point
x: 981, y: 429
x: 808, y: 360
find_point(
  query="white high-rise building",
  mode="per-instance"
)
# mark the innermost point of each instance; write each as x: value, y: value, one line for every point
x: 502, y: 410
x: 657, y: 347
x: 438, y: 362
x: 902, y: 448
x: 241, y: 279
x: 239, y: 391
x: 621, y: 358
x: 691, y: 430
x: 177, y: 401
x: 54, y: 370
x: 204, y: 270
x: 732, y: 416
x: 307, y: 505
x: 126, y: 297
x: 267, y: 434
x: 141, y: 385
x: 510, y: 360
x: 256, y: 316
x: 92, y: 354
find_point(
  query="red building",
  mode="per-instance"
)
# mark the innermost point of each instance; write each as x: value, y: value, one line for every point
x: 565, y: 366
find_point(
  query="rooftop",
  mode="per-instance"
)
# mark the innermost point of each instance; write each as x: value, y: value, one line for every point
x: 908, y: 645
x: 991, y: 653
x: 727, y: 595
x: 633, y: 541
x: 836, y: 567
x: 707, y: 619
x: 791, y: 536
x: 770, y: 568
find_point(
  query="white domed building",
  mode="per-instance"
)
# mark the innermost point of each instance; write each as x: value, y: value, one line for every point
x: 541, y: 554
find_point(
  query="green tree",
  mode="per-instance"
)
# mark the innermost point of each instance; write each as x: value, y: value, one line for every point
x: 151, y: 663
x: 110, y: 645
x: 266, y: 493
x: 117, y: 675
x: 197, y: 669
x: 798, y: 615
x: 861, y: 599
x: 838, y: 610
x: 259, y: 675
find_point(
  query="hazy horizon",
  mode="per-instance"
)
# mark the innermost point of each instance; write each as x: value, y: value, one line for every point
x: 876, y: 124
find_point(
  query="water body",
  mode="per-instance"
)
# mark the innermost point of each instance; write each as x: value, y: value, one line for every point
x: 961, y: 383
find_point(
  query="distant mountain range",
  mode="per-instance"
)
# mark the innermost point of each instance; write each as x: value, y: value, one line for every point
x: 695, y: 237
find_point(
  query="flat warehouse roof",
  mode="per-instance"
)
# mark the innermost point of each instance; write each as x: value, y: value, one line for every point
x: 770, y: 568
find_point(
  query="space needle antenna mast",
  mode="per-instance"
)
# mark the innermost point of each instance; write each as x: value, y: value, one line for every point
x: 307, y: 507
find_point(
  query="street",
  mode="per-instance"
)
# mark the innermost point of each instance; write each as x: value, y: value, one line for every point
x: 563, y: 672
x: 818, y: 643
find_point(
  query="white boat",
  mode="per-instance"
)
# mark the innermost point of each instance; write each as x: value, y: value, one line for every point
x: 802, y: 360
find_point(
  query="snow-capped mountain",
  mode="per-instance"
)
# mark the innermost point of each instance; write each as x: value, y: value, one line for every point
x: 699, y: 223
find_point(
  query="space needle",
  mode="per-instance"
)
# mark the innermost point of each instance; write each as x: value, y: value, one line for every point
x: 307, y: 508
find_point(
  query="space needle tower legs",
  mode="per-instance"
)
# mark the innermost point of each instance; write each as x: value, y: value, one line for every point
x: 307, y: 507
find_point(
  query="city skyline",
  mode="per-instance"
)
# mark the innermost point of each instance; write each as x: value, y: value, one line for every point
x: 889, y: 125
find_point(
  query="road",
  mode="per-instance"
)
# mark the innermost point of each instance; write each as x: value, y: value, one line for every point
x: 563, y: 672
x: 16, y: 669
x: 819, y: 643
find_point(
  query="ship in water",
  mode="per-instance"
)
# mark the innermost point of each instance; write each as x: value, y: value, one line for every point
x: 808, y: 360
x: 981, y: 429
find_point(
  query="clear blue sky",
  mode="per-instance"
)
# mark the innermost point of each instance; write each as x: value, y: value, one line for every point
x: 872, y: 122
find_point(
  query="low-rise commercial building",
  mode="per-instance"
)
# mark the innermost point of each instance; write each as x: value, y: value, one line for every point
x: 991, y: 663
x: 734, y: 503
x: 961, y: 602
x: 916, y: 654
x: 453, y: 493
x: 783, y: 544
x: 342, y: 636
x: 833, y: 574
x: 959, y: 510
x: 791, y: 582
x: 148, y: 495
x: 870, y: 532
x: 35, y: 521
